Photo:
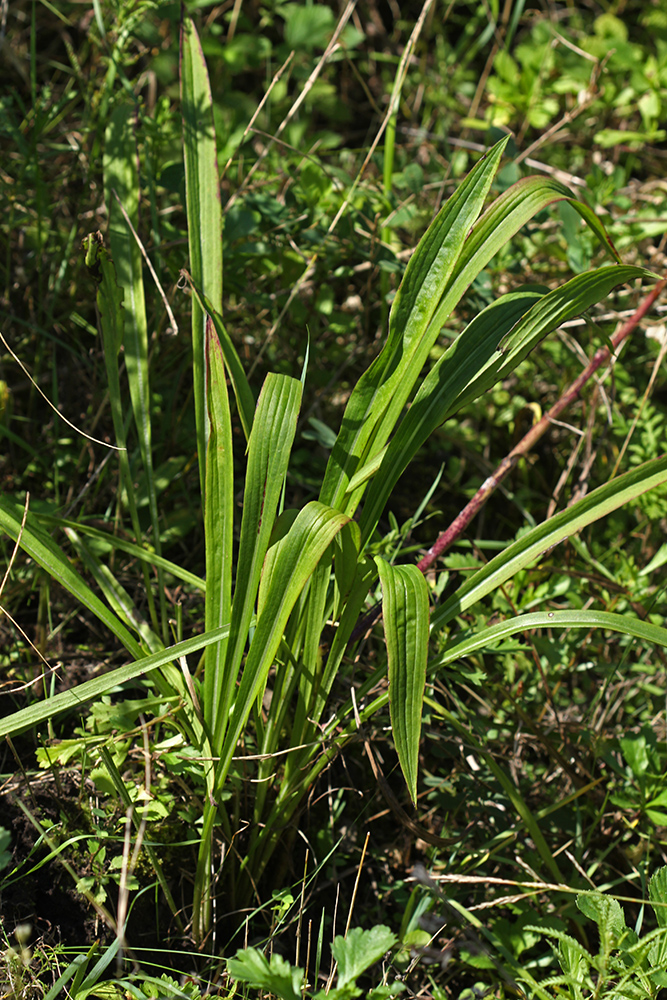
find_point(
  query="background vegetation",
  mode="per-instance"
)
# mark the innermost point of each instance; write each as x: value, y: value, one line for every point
x: 542, y: 754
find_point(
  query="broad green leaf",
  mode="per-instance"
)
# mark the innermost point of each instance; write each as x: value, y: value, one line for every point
x: 346, y: 555
x: 534, y: 543
x: 219, y: 531
x: 405, y: 614
x: 204, y: 211
x: 277, y: 976
x: 657, y: 893
x: 407, y: 346
x: 359, y: 950
x: 607, y: 914
x: 280, y: 531
x: 76, y: 698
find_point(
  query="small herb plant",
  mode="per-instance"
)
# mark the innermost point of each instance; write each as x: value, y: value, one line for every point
x: 626, y: 966
x: 353, y: 955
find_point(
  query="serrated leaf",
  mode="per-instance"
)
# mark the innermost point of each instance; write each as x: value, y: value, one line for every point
x: 657, y: 893
x: 606, y: 912
x: 359, y: 950
x: 278, y: 976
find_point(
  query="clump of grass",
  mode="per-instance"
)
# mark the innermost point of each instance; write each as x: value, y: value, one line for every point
x: 292, y: 583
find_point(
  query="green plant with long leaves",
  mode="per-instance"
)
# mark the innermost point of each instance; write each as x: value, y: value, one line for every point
x: 274, y: 581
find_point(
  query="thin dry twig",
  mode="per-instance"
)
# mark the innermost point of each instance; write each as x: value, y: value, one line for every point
x: 89, y: 437
x: 529, y: 440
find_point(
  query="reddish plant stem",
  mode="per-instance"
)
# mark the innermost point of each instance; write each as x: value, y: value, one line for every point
x: 529, y: 440
x: 461, y: 522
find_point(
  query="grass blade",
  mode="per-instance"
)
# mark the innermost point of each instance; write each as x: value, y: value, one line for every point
x: 438, y: 394
x: 486, y: 638
x: 112, y: 542
x: 110, y: 305
x: 245, y: 400
x: 269, y: 451
x: 48, y: 554
x: 300, y: 551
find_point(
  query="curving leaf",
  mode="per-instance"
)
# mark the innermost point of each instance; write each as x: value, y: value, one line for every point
x: 112, y: 542
x: 77, y: 697
x: 48, y: 554
x: 437, y: 397
x: 486, y: 638
x: 417, y: 300
x: 269, y: 449
x: 534, y: 543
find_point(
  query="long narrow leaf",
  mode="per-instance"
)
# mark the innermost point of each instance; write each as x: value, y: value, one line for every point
x: 416, y: 301
x: 437, y: 396
x: 245, y: 400
x: 273, y: 430
x: 313, y: 530
x: 472, y: 365
x: 51, y: 558
x: 486, y: 638
x: 77, y: 697
x: 110, y: 306
x: 204, y: 211
x: 534, y: 543
x: 113, y: 542
x: 499, y: 223
x: 219, y: 529
x: 121, y: 182
x: 405, y: 615
x: 117, y: 597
